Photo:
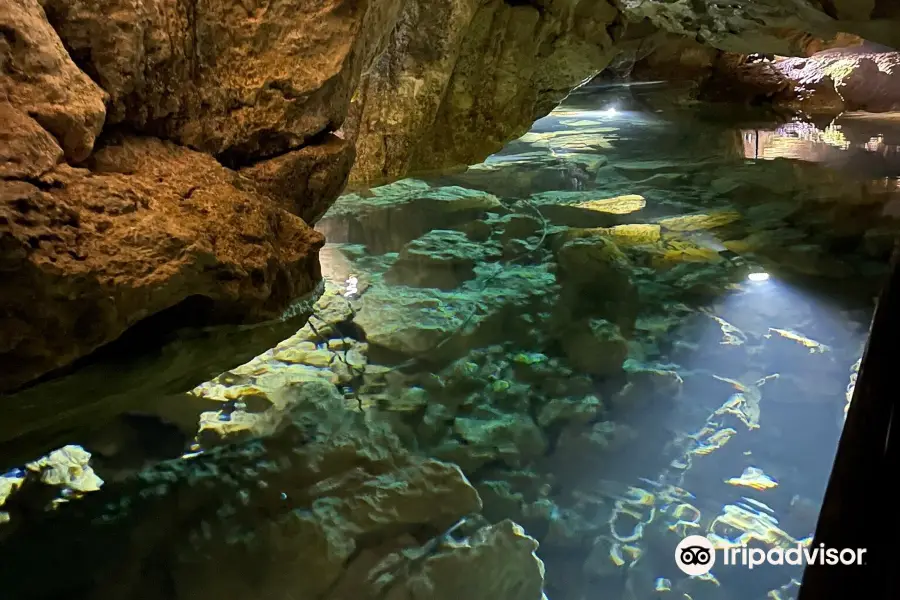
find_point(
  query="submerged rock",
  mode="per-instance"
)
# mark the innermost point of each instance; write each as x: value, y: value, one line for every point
x: 421, y: 321
x: 388, y: 217
x: 512, y: 438
x: 595, y: 346
x: 441, y: 259
x: 294, y: 507
x: 497, y: 563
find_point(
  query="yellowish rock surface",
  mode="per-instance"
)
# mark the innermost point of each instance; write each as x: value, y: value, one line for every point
x: 619, y: 205
x: 701, y: 222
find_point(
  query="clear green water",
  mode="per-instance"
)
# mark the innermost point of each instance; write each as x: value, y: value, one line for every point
x: 791, y: 264
x: 637, y: 322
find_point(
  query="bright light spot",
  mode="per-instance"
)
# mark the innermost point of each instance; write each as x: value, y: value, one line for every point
x: 352, y: 288
x: 610, y: 111
x: 758, y: 276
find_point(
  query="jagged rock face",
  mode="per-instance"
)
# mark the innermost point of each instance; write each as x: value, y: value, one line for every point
x: 786, y: 27
x: 38, y: 77
x: 236, y: 79
x: 330, y: 506
x: 459, y: 79
x: 854, y: 75
x: 88, y: 252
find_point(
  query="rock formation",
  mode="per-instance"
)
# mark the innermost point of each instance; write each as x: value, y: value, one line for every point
x: 98, y: 235
x: 328, y: 506
x: 459, y: 79
x: 157, y: 155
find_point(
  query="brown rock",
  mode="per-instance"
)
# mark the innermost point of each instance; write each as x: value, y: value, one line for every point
x: 305, y: 182
x: 241, y: 80
x: 86, y: 254
x: 38, y: 77
x: 26, y: 150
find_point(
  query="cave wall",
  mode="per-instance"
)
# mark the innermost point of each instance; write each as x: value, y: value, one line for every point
x: 155, y: 151
x: 460, y: 78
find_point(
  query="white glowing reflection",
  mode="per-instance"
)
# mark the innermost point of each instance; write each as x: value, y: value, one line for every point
x: 611, y: 111
x: 758, y: 276
x: 352, y: 286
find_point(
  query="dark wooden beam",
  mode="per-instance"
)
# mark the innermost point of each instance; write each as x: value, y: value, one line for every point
x: 859, y: 506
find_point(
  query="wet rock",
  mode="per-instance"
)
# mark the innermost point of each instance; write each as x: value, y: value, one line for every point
x: 39, y: 79
x: 512, y: 438
x: 386, y: 218
x: 94, y: 252
x: 700, y: 221
x: 569, y: 410
x: 68, y: 467
x: 440, y: 259
x: 502, y: 502
x: 520, y: 177
x: 232, y: 424
x: 295, y: 506
x: 435, y: 424
x: 595, y: 346
x: 517, y: 227
x: 596, y: 280
x: 418, y: 321
x: 579, y: 443
x: 647, y: 383
x: 498, y: 562
x: 587, y: 209
x: 572, y: 530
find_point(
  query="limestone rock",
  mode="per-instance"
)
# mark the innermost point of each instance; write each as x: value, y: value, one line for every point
x: 585, y: 209
x: 386, y: 218
x: 770, y: 26
x: 497, y: 563
x: 441, y: 258
x: 305, y: 182
x: 419, y: 321
x: 460, y: 79
x: 566, y: 410
x: 277, y: 517
x: 27, y: 151
x: 150, y: 226
x: 511, y: 438
x: 596, y: 280
x: 38, y: 78
x: 596, y: 346
x: 67, y: 467
x: 521, y: 175
x: 860, y: 81
x: 239, y: 81
x: 579, y: 443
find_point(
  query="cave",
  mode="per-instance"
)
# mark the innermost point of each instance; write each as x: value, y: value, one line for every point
x: 500, y: 300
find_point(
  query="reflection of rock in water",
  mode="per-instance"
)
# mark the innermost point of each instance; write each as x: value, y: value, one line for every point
x: 135, y: 439
x: 834, y: 146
